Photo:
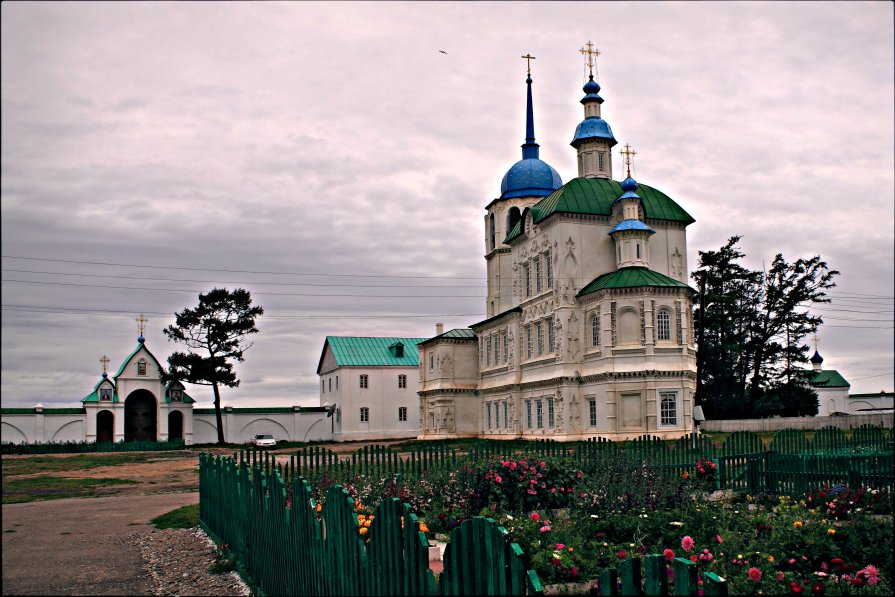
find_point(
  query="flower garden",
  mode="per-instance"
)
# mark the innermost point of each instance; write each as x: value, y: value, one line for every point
x: 572, y: 526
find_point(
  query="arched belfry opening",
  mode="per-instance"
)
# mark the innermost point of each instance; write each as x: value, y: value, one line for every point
x: 105, y: 426
x: 175, y: 425
x: 140, y: 417
x: 513, y: 216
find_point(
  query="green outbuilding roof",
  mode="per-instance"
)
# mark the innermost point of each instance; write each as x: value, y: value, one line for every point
x: 829, y: 378
x: 353, y: 351
x: 595, y: 196
x: 631, y: 277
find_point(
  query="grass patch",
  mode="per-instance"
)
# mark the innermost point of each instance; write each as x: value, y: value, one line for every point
x: 185, y: 517
x: 44, y: 487
x: 26, y: 465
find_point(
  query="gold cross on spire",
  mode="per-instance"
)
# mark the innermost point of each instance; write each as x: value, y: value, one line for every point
x: 591, y: 52
x: 815, y: 343
x: 528, y: 58
x: 629, y: 157
x: 141, y: 322
x: 105, y: 362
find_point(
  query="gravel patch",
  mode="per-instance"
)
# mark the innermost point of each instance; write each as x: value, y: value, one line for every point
x: 177, y: 562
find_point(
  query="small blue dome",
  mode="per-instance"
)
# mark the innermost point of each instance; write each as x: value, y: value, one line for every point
x: 816, y: 358
x: 629, y: 184
x: 141, y: 339
x: 105, y: 375
x: 593, y: 127
x: 631, y: 225
x: 529, y: 178
x: 591, y: 86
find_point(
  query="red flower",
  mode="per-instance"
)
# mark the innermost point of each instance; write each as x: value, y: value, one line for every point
x: 818, y: 588
x: 754, y: 574
x: 797, y: 590
x: 535, y: 516
x: 621, y: 554
x: 574, y: 572
x: 858, y: 580
x: 669, y: 555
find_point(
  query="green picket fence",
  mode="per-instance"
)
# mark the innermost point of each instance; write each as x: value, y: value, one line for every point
x: 286, y: 550
x: 649, y: 576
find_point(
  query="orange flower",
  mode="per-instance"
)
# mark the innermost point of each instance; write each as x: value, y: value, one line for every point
x: 319, y: 507
x: 423, y: 527
x: 363, y: 530
x: 366, y: 523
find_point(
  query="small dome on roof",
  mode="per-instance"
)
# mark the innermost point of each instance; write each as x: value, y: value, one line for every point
x: 816, y: 358
x: 593, y: 127
x: 141, y: 339
x: 529, y: 178
x: 591, y: 86
x: 105, y: 375
x: 629, y: 184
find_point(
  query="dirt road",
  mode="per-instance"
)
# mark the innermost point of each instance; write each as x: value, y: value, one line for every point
x: 83, y: 546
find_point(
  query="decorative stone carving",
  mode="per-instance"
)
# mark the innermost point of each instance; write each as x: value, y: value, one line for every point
x: 678, y: 317
x: 558, y: 408
x: 447, y: 420
x: 573, y: 335
x: 653, y: 318
x: 511, y: 363
x: 516, y: 269
x: 574, y: 412
x: 558, y: 330
x: 642, y: 325
x: 677, y: 264
x: 612, y: 321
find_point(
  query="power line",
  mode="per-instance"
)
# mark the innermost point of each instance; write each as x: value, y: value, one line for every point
x: 241, y: 271
x: 872, y: 376
x: 370, y: 296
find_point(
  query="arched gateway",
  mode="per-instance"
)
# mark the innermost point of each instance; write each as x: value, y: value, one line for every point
x: 140, y: 417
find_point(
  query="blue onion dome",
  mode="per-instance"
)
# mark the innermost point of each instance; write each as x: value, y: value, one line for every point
x: 141, y: 339
x: 817, y: 358
x: 591, y: 86
x: 593, y: 127
x: 529, y: 178
x: 105, y: 375
x: 629, y: 184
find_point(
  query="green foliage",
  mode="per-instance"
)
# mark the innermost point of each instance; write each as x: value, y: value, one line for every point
x: 17, y: 490
x: 185, y: 517
x: 752, y: 327
x: 215, y: 331
x: 88, y: 447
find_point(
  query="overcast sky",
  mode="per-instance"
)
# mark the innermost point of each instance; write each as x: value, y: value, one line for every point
x: 307, y: 150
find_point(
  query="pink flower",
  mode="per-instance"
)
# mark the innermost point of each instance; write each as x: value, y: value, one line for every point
x: 498, y: 478
x: 545, y: 528
x: 535, y: 516
x: 560, y: 546
x: 754, y: 574
x: 780, y: 576
x: 669, y: 555
x: 872, y: 574
x: 687, y: 543
x: 719, y: 539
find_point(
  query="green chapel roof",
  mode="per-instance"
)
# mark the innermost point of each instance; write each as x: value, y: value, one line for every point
x: 631, y: 277
x: 595, y: 196
x: 354, y: 351
x: 829, y: 378
x: 131, y: 355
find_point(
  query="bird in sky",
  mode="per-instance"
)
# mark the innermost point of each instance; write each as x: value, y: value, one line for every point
x: 442, y: 51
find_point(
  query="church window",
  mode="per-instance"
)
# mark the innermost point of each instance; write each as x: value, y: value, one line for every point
x: 528, y: 414
x: 337, y: 382
x: 431, y: 362
x: 537, y: 274
x: 322, y: 385
x: 105, y: 394
x: 402, y: 413
x: 551, y: 336
x: 488, y: 414
x: 601, y: 157
x: 668, y: 408
x: 506, y: 416
x: 141, y: 367
x: 488, y: 351
x: 513, y: 217
x: 592, y: 408
x: 540, y: 336
x: 638, y: 250
x: 539, y: 410
x: 506, y: 349
x: 402, y: 381
x: 432, y: 421
x: 528, y: 341
x: 595, y: 329
x: 663, y: 325
x: 330, y: 384
x: 550, y: 414
x: 364, y: 381
x: 527, y: 279
x: 364, y: 414
x: 549, y: 261
x: 496, y: 349
x: 492, y: 233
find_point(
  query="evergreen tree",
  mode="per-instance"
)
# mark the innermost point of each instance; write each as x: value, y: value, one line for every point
x: 218, y: 328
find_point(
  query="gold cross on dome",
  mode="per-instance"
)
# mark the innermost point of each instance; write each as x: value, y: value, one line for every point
x: 141, y: 322
x: 629, y: 157
x: 105, y: 362
x: 528, y: 58
x: 591, y: 52
x: 815, y: 343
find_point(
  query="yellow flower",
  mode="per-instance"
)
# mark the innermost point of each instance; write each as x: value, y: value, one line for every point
x: 797, y: 524
x: 363, y: 530
x: 571, y: 549
x: 831, y: 531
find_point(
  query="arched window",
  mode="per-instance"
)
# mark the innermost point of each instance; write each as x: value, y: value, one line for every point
x: 513, y: 217
x: 595, y: 330
x: 663, y: 325
x: 492, y: 233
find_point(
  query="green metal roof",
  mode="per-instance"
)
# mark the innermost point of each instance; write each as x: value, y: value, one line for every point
x: 595, y: 196
x: 93, y: 396
x: 131, y: 355
x: 455, y: 334
x: 353, y: 351
x: 829, y: 378
x: 631, y: 277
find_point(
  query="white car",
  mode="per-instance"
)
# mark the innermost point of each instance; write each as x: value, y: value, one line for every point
x: 264, y: 440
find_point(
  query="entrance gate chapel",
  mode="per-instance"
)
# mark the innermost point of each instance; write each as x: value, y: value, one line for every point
x: 135, y: 405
